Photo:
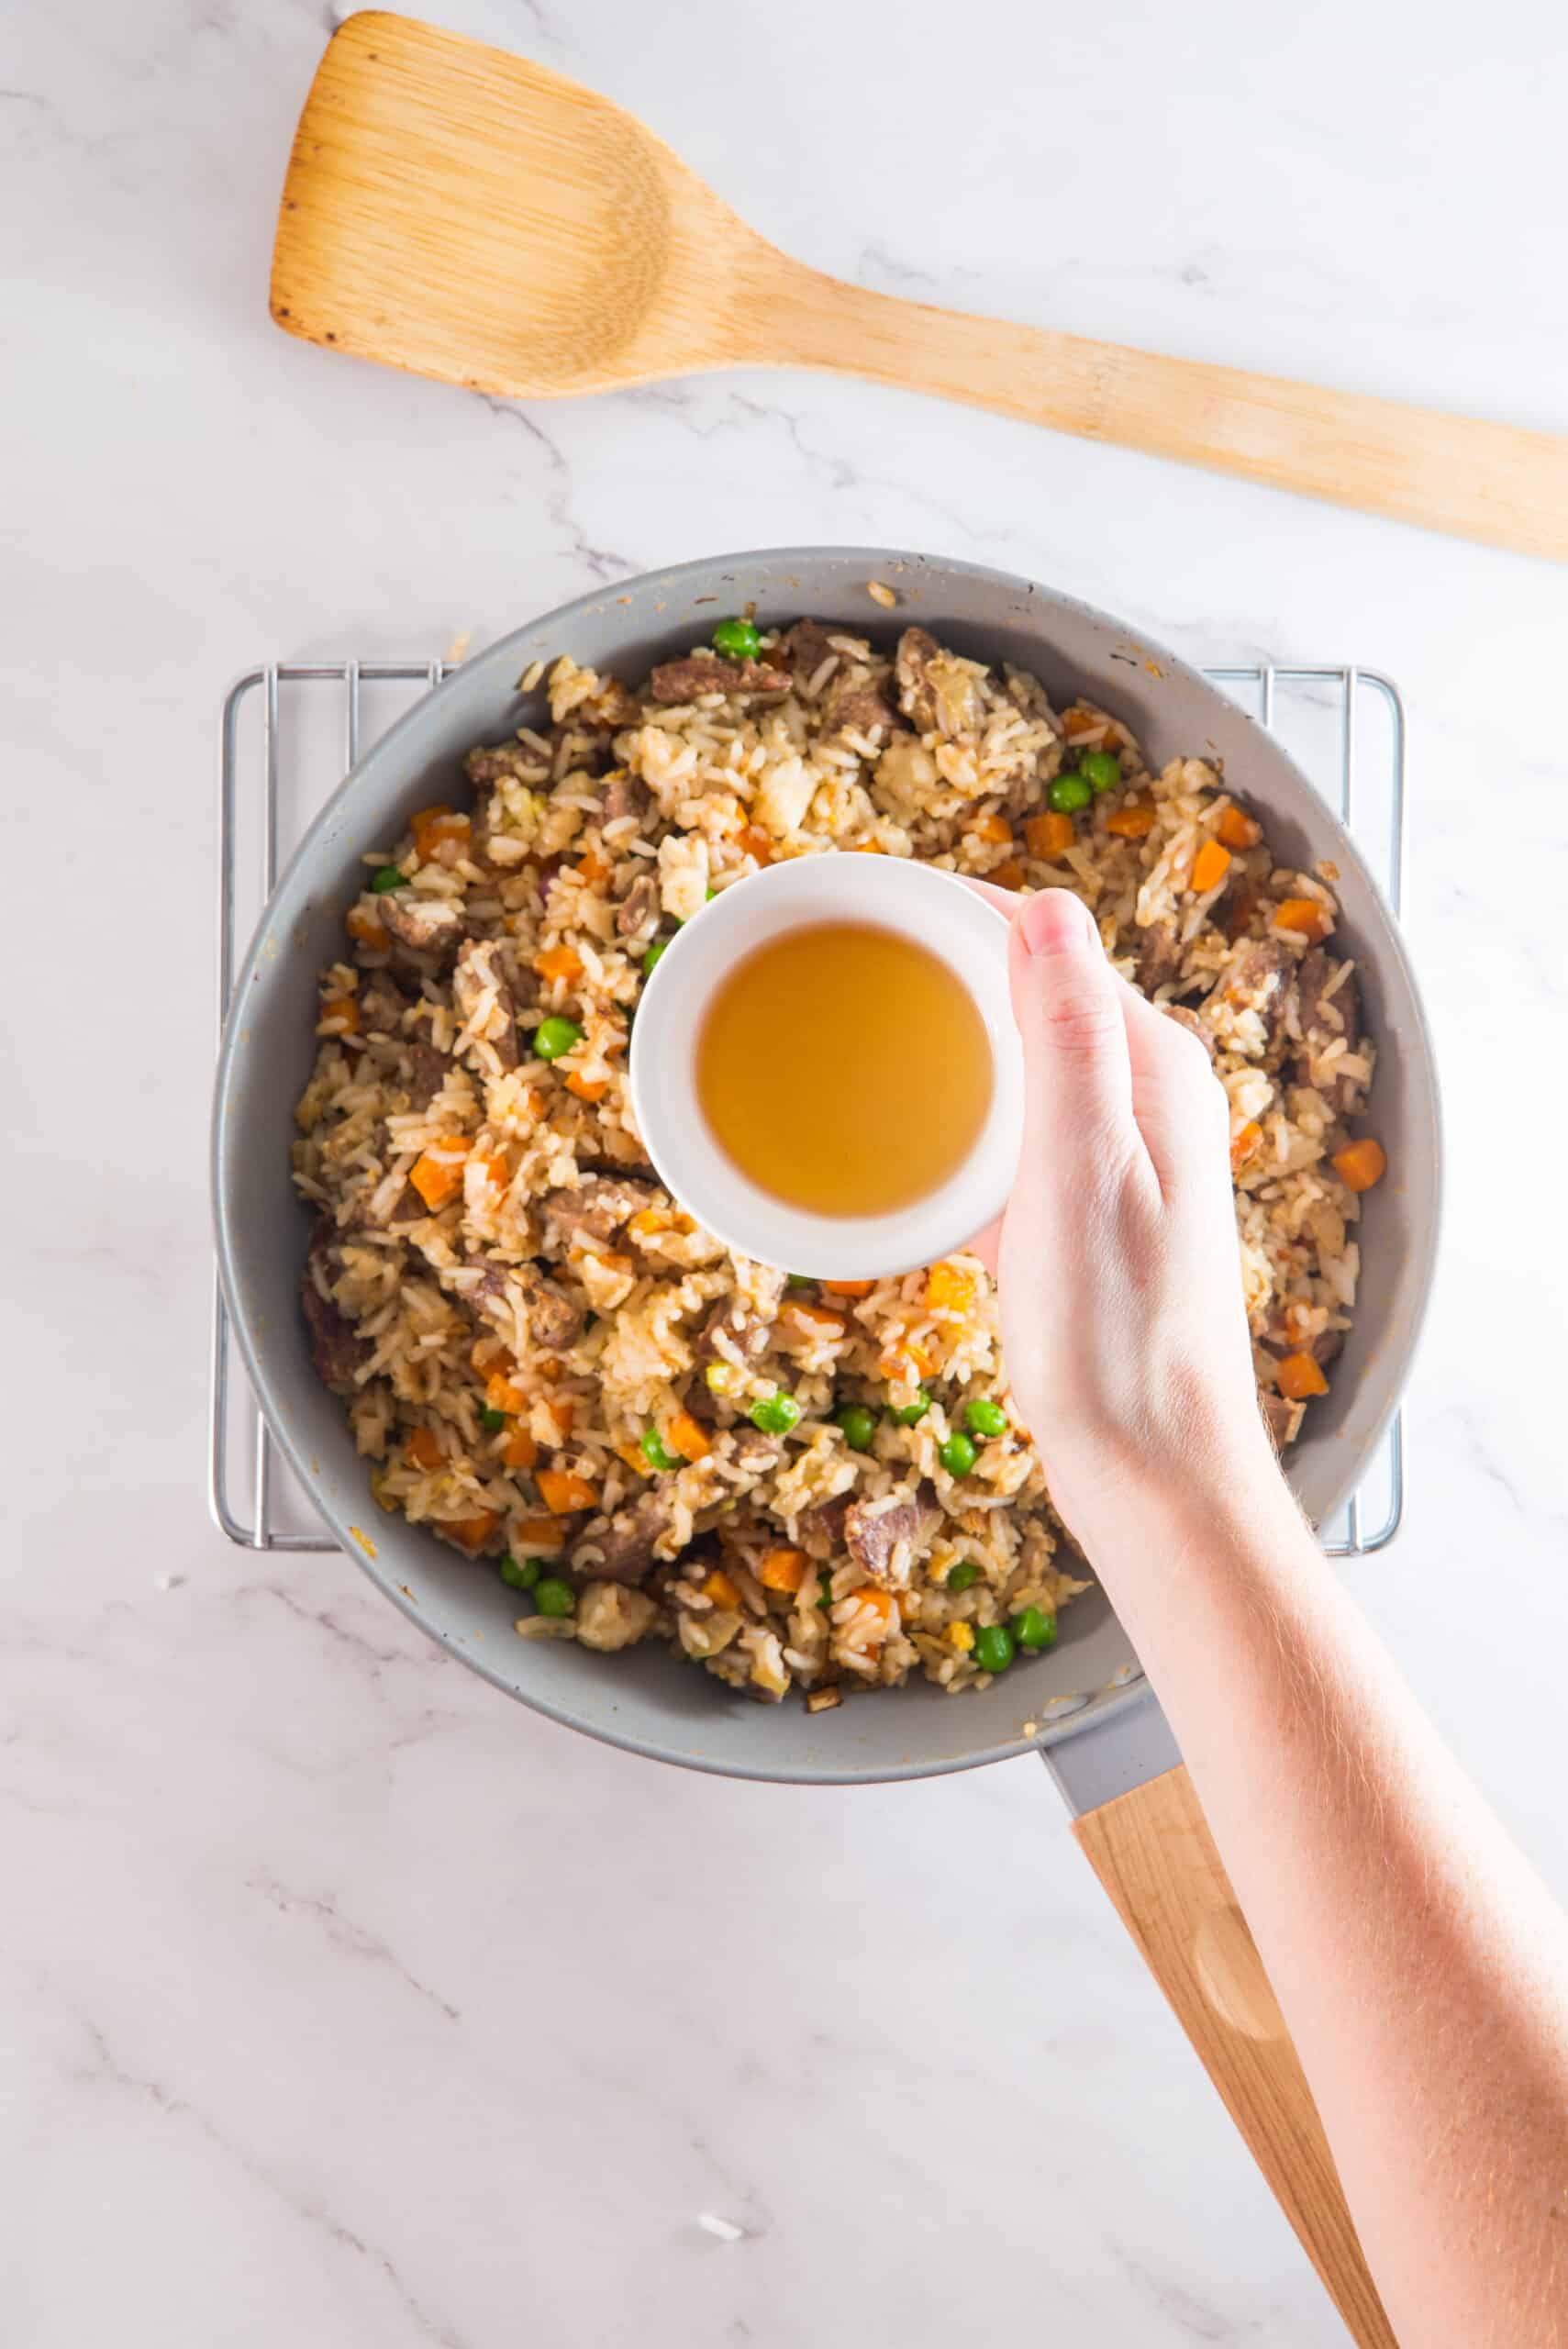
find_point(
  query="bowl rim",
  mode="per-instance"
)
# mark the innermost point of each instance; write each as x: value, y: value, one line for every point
x: 922, y: 903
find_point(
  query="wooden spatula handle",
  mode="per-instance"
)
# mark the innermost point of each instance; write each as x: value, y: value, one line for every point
x: 1498, y: 482
x: 1152, y: 1850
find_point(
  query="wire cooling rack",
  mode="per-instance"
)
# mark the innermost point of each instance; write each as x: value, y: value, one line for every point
x: 291, y: 732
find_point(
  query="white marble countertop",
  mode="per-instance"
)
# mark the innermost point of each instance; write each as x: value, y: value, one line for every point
x: 345, y: 2002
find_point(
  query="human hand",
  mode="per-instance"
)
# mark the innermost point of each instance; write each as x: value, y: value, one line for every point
x: 1122, y: 1314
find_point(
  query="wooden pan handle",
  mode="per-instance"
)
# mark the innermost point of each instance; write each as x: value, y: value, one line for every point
x: 1152, y: 1850
x: 1499, y: 483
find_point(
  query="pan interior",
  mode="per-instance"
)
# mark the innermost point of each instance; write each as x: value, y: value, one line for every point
x: 646, y: 1699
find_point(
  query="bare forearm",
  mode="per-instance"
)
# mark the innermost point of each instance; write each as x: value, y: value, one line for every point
x: 1421, y: 1966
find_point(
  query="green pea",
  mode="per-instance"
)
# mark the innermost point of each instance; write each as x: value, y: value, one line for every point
x: 736, y: 640
x: 963, y: 1575
x: 775, y: 1414
x: 1068, y: 793
x: 799, y: 1280
x: 1101, y: 770
x: 993, y: 1647
x: 985, y: 1417
x: 554, y: 1036
x: 909, y: 1415
x: 389, y: 877
x: 858, y: 1426
x: 655, y: 954
x: 653, y: 1450
x: 553, y: 1597
x: 521, y: 1573
x: 957, y: 1455
x: 1035, y: 1628
x: 491, y: 1421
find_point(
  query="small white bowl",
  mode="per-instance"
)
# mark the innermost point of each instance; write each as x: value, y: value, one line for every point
x: 929, y: 906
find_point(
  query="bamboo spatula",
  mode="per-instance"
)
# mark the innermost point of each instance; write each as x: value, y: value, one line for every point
x: 461, y: 212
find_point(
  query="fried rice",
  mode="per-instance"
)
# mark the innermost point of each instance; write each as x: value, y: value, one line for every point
x: 554, y: 1369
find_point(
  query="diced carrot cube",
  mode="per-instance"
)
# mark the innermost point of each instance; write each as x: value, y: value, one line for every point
x: 782, y: 1569
x: 366, y: 925
x: 1011, y: 874
x: 436, y: 827
x: 646, y: 1221
x: 1079, y: 722
x: 340, y: 1016
x: 1360, y: 1163
x: 519, y: 1451
x: 1243, y: 1142
x: 635, y: 1457
x: 688, y: 1437
x: 949, y: 1288
x: 849, y: 1288
x: 755, y: 843
x: 473, y: 1533
x: 559, y: 962
x: 587, y: 1088
x: 593, y: 868
x: 487, y: 1355
x: 563, y: 1493
x: 531, y: 1534
x: 495, y: 1171
x: 992, y: 826
x: 562, y: 1410
x: 1300, y: 1376
x: 1050, y: 834
x: 1133, y: 821
x: 500, y: 1395
x: 435, y: 1175
x: 1305, y: 918
x: 1211, y: 867
x: 868, y: 848
x: 723, y: 1592
x: 879, y: 1601
x: 425, y: 1450
x: 1237, y: 829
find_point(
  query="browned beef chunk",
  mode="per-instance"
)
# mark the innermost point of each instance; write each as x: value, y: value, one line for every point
x: 873, y: 1531
x: 1327, y: 1347
x: 1282, y: 1418
x: 426, y: 1074
x: 754, y: 1453
x: 936, y: 693
x: 1262, y: 978
x: 595, y: 1210
x: 623, y: 795
x: 555, y: 1320
x: 519, y: 760
x: 1323, y: 1017
x: 336, y: 1346
x: 423, y: 924
x: 746, y: 1330
x: 639, y: 907
x: 382, y: 1005
x: 705, y: 673
x: 805, y: 647
x: 1159, y: 956
x: 858, y: 709
x: 1186, y: 1018
x: 608, y: 709
x: 476, y: 970
x: 825, y: 1522
x: 621, y: 1548
x: 409, y: 1206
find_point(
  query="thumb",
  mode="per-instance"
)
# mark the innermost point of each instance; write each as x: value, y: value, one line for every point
x: 1078, y: 1070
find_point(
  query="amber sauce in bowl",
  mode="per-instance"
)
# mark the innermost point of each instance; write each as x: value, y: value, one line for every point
x: 844, y: 1068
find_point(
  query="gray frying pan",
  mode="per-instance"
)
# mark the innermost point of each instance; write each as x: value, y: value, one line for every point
x: 1083, y: 1703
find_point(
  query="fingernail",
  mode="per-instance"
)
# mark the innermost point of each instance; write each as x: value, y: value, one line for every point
x: 1056, y: 923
